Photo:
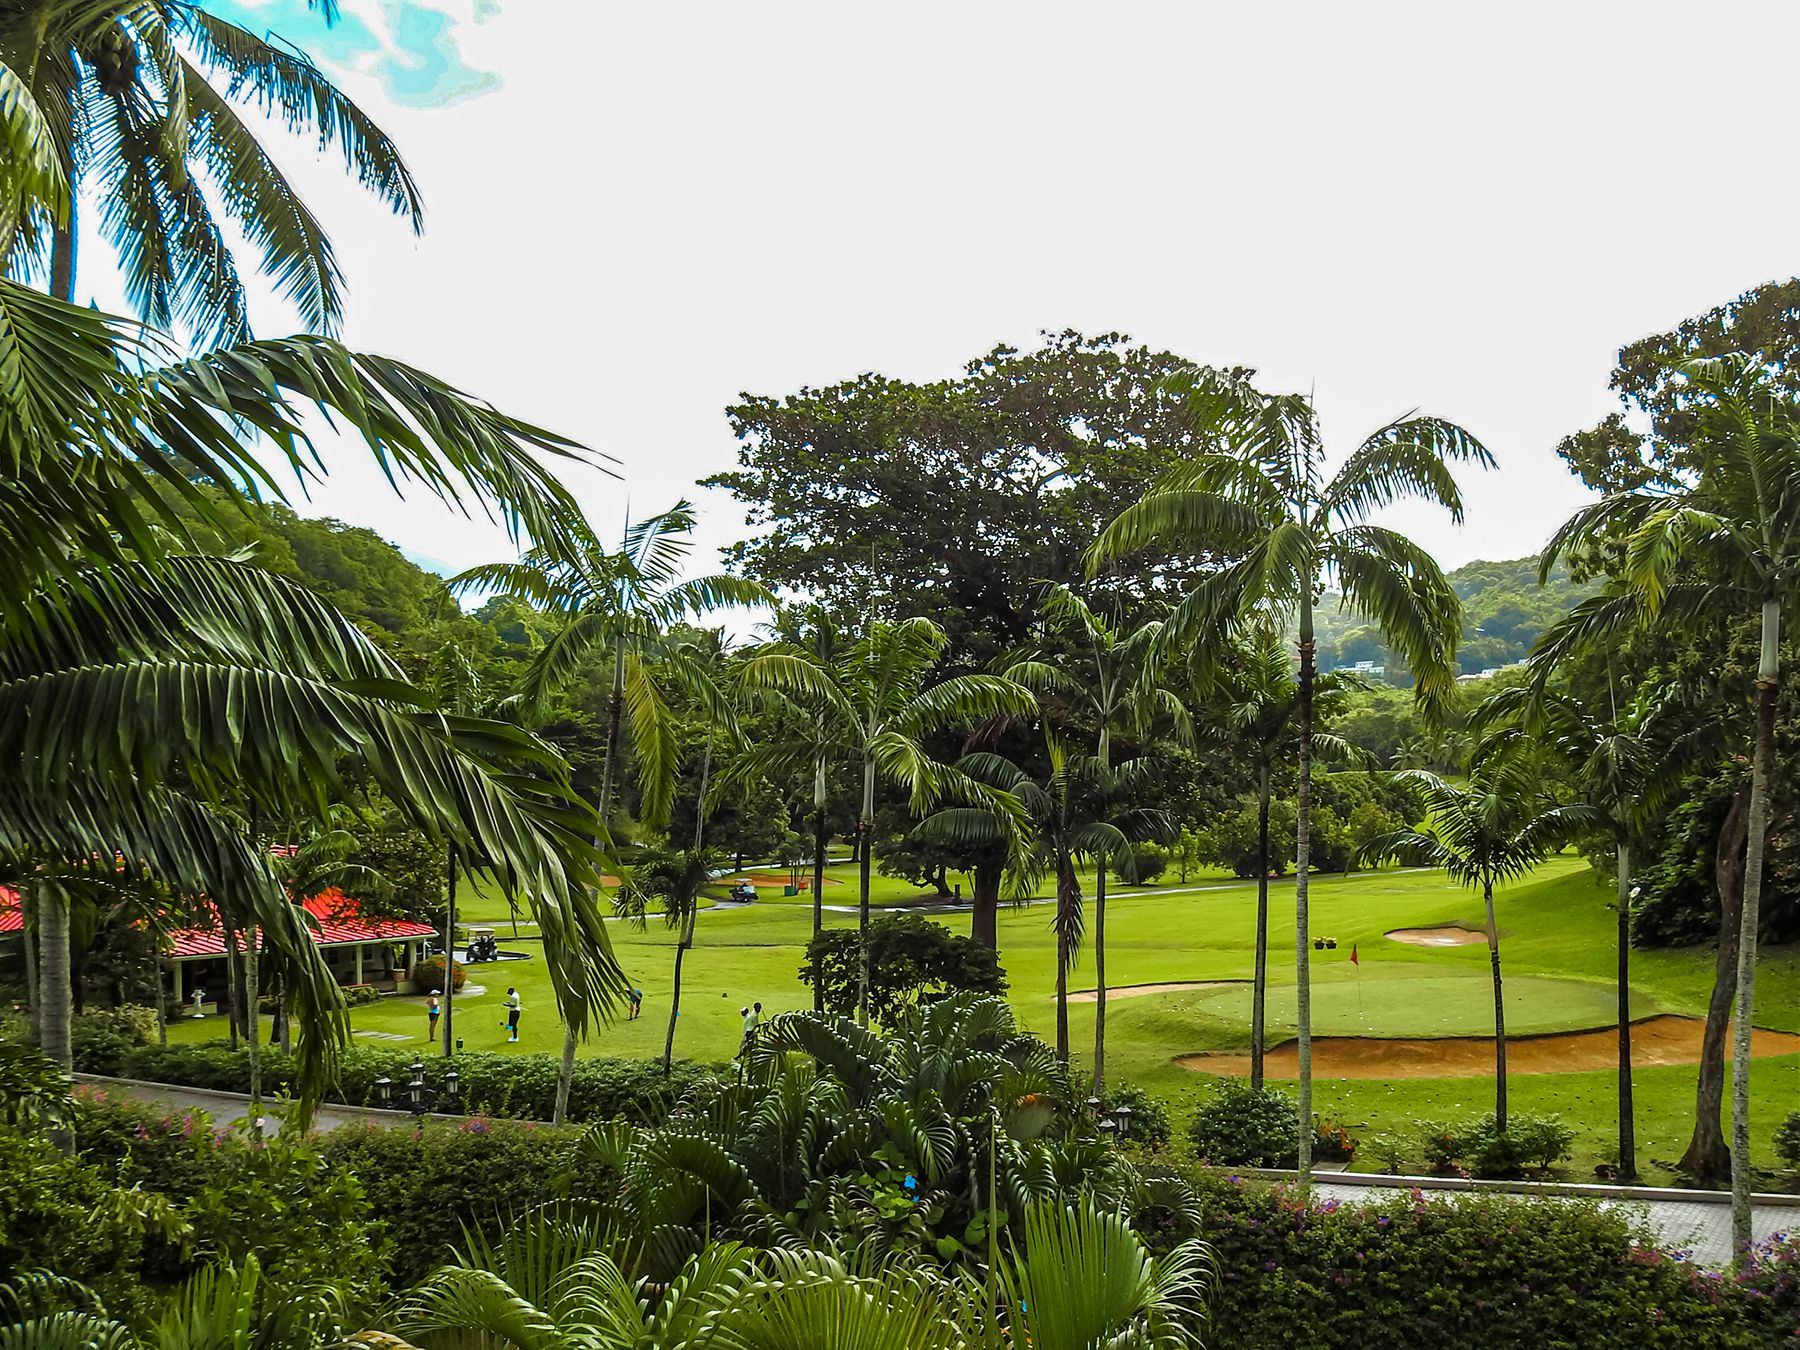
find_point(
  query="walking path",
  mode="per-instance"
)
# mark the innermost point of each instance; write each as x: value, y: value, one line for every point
x: 227, y: 1108
x: 1695, y: 1223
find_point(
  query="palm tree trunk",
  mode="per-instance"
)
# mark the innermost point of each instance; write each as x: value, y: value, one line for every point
x: 1302, y: 861
x: 984, y: 922
x: 565, y: 1077
x: 1707, y: 1159
x: 1100, y: 979
x: 687, y: 937
x: 1068, y: 901
x: 55, y: 974
x: 252, y: 963
x: 450, y: 957
x: 1259, y: 983
x: 233, y: 999
x: 1761, y: 771
x: 821, y: 834
x: 1493, y: 937
x: 62, y: 258
x: 1627, y: 1115
x: 865, y: 830
x: 34, y: 993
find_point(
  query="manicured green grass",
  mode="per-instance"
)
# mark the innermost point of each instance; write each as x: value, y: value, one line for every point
x: 1557, y: 948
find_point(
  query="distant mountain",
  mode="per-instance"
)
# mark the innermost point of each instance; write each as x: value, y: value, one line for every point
x: 1504, y: 609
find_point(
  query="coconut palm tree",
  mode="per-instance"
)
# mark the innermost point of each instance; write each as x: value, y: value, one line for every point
x: 142, y: 105
x: 877, y: 706
x: 618, y: 601
x: 1624, y: 760
x: 1255, y: 696
x: 1105, y: 678
x: 1725, y: 538
x: 1259, y: 497
x: 1494, y: 830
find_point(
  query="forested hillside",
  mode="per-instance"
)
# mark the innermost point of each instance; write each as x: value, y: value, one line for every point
x: 1504, y: 609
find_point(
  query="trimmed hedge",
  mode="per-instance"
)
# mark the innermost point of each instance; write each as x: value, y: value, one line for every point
x: 1481, y: 1273
x: 522, y: 1087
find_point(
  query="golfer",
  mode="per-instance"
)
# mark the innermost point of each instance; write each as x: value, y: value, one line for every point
x: 513, y: 1008
x: 636, y: 999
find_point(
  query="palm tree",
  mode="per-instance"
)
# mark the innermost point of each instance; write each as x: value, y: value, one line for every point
x: 1260, y: 497
x: 877, y: 707
x: 1257, y: 696
x: 1724, y: 539
x: 1492, y: 831
x: 126, y: 100
x: 673, y: 879
x: 165, y: 686
x: 1106, y: 679
x: 617, y: 601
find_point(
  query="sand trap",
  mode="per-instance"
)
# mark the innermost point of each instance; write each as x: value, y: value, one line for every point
x: 1655, y: 1040
x: 1447, y: 936
x: 1139, y: 990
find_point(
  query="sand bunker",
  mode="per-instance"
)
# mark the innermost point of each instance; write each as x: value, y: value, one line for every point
x: 1655, y: 1040
x: 1139, y: 990
x: 1447, y: 936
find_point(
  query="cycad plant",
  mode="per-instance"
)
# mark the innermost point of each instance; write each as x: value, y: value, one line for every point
x: 874, y: 704
x: 141, y: 104
x: 1724, y: 538
x: 1260, y: 498
x: 1493, y: 830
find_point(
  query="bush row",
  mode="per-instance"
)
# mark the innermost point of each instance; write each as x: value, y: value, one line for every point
x: 521, y: 1087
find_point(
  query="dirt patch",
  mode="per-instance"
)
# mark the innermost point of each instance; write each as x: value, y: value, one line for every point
x: 1449, y: 935
x: 1655, y: 1040
x: 1139, y: 990
x: 761, y: 879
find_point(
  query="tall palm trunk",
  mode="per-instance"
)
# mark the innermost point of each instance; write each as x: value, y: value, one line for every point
x: 1493, y: 937
x: 34, y: 994
x: 1627, y: 1115
x: 62, y: 258
x: 233, y: 982
x: 450, y: 958
x: 865, y: 831
x: 820, y: 835
x: 1100, y: 979
x: 55, y: 974
x: 1068, y: 903
x: 686, y: 938
x: 252, y: 965
x: 1761, y: 769
x: 1302, y: 861
x: 615, y: 709
x: 1707, y: 1159
x: 1259, y: 983
x: 984, y: 921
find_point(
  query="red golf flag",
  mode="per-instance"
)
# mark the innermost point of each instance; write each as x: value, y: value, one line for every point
x: 1353, y: 960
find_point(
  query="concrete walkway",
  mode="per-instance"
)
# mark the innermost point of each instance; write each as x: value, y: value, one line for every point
x: 1696, y: 1224
x: 227, y: 1108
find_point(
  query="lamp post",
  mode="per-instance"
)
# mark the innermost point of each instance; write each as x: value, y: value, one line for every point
x: 1114, y: 1123
x: 417, y: 1096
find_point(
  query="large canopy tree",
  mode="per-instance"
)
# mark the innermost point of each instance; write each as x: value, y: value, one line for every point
x: 1722, y: 534
x: 1258, y: 495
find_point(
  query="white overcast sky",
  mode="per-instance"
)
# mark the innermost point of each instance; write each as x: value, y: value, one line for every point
x: 637, y: 211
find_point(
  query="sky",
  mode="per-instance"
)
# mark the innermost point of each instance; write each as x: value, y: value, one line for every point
x: 635, y: 212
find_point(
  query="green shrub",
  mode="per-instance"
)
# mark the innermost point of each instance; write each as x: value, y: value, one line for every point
x: 518, y: 1086
x: 912, y: 960
x: 1787, y: 1140
x: 426, y: 1184
x: 102, y: 1038
x: 1246, y: 1126
x: 428, y: 974
x: 55, y: 1214
x: 361, y: 995
x: 1530, y: 1143
x: 1332, y: 1142
x: 1479, y: 1273
x: 1145, y: 864
x: 1148, y: 1124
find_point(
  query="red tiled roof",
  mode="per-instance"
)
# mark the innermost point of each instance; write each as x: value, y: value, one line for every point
x: 337, y: 924
x: 12, y: 918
